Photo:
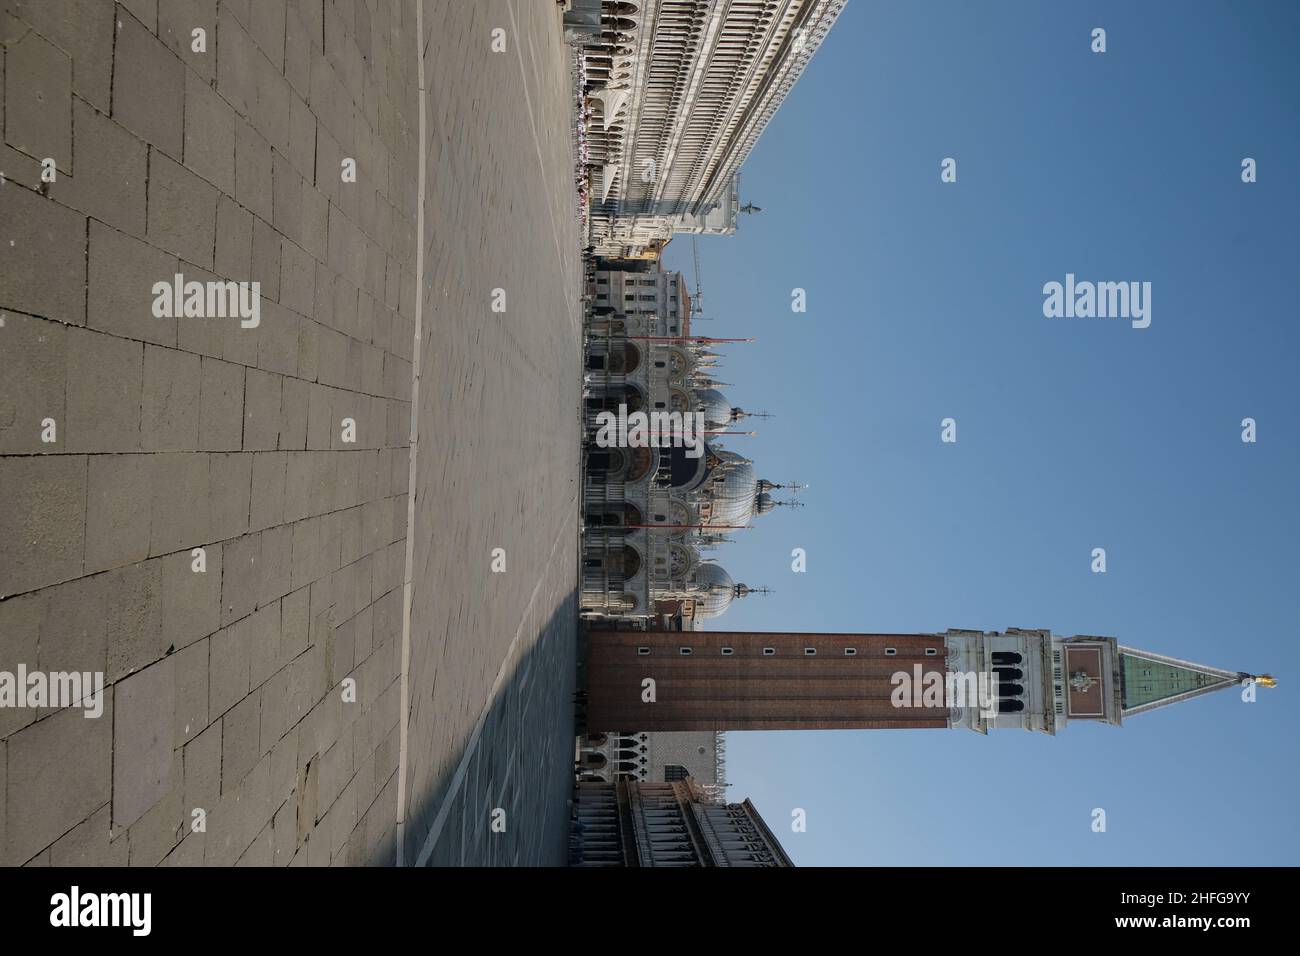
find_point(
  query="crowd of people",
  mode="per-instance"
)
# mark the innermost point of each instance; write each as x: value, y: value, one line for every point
x: 582, y: 172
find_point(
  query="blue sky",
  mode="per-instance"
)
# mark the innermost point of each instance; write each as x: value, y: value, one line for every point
x: 925, y: 302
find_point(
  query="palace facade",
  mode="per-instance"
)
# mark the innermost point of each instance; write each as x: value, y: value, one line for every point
x: 660, y: 757
x: 679, y: 92
x: 676, y: 824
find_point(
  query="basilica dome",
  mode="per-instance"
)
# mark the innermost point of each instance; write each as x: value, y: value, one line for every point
x: 714, y: 405
x: 733, y: 496
x: 712, y: 589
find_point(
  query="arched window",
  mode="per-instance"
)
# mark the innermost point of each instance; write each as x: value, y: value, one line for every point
x: 614, y: 516
x: 619, y: 395
x: 626, y: 359
x: 625, y: 561
x: 642, y: 459
x: 676, y: 466
x: 607, y: 461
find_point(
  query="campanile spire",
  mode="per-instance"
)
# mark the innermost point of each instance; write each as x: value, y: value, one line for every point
x: 978, y: 680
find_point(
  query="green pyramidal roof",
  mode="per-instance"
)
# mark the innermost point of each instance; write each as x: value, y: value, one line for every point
x: 1153, y: 680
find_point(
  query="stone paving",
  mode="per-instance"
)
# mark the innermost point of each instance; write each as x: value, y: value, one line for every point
x: 259, y: 679
x: 499, y: 441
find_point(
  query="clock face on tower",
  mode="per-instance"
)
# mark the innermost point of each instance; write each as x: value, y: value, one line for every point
x: 1085, y: 700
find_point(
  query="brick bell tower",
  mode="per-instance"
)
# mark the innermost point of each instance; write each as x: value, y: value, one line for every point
x: 754, y: 680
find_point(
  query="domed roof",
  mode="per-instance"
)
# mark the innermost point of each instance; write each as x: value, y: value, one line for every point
x: 712, y: 589
x: 764, y: 503
x: 708, y: 575
x: 733, y: 497
x: 714, y: 405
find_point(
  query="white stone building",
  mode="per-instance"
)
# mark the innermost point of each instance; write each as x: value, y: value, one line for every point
x: 650, y: 512
x: 657, y: 757
x: 680, y: 92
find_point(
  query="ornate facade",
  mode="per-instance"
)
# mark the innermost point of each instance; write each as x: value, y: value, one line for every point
x: 651, y: 515
x: 656, y: 758
x: 675, y: 824
x: 680, y: 92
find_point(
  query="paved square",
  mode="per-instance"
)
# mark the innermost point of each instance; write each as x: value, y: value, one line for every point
x: 498, y: 444
x: 215, y: 516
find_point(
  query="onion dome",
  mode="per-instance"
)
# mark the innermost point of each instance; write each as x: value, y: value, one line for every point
x: 712, y: 589
x: 714, y: 405
x: 734, y: 496
x: 764, y: 503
